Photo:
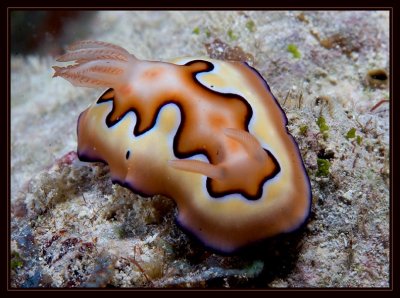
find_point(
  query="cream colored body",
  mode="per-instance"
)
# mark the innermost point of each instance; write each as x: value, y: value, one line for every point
x: 226, y: 223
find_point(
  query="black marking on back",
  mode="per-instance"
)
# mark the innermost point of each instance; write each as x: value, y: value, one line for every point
x: 183, y: 155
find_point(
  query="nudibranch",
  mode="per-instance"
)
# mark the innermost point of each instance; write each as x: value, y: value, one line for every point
x: 207, y: 133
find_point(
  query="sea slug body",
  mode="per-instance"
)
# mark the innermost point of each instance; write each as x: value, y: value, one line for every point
x: 207, y: 133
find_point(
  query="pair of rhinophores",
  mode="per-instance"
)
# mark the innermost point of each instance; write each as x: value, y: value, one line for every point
x: 207, y: 133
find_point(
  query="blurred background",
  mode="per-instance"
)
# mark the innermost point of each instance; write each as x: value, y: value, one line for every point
x: 47, y: 31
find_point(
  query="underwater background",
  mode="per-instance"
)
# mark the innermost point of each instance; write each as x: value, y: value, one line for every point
x: 329, y: 70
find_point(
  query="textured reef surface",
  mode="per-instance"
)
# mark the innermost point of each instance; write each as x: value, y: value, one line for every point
x: 71, y: 227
